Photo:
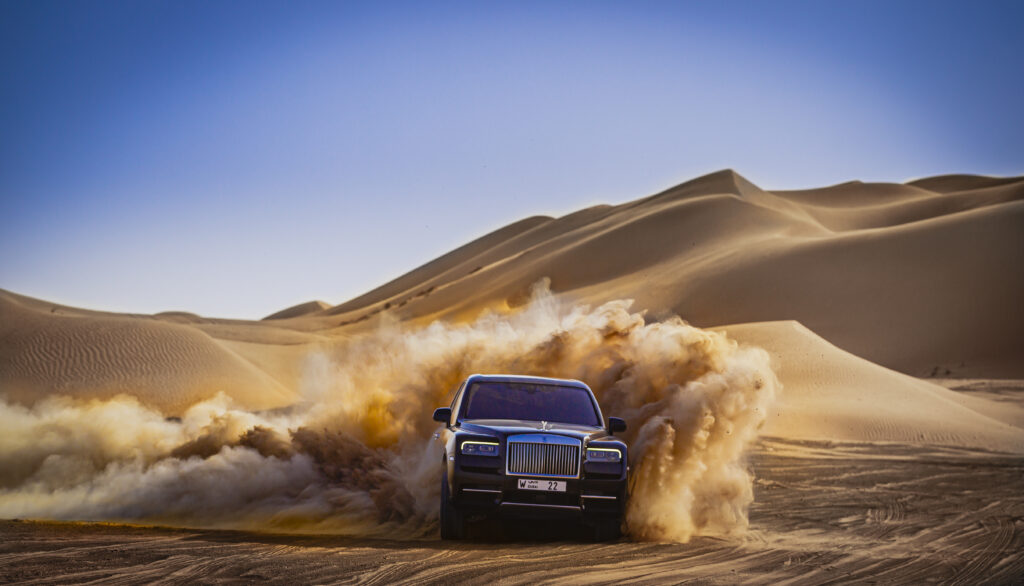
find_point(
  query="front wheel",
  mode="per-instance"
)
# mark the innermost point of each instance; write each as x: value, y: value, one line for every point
x: 607, y: 530
x: 453, y: 523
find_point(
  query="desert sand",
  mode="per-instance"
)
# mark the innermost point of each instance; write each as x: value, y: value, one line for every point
x: 823, y: 513
x: 879, y: 434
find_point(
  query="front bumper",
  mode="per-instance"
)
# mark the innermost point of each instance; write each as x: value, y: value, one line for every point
x: 599, y: 493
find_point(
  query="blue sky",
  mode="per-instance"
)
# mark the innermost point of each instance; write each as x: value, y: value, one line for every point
x: 235, y: 158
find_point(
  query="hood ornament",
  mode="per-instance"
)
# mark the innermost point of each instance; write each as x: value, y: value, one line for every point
x: 544, y: 425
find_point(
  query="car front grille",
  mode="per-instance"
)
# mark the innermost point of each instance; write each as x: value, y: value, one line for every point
x: 544, y: 455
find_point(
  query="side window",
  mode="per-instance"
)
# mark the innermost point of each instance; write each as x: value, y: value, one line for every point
x: 457, y: 404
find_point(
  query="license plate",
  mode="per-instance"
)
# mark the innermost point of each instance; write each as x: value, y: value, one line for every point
x: 548, y: 485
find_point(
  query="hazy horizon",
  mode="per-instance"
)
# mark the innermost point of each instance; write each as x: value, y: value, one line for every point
x: 234, y: 159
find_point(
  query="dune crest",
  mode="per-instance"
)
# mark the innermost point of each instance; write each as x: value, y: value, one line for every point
x: 299, y: 310
x: 921, y: 277
x: 868, y: 266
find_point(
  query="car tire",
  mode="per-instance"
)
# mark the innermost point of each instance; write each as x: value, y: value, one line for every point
x: 453, y: 523
x: 607, y: 530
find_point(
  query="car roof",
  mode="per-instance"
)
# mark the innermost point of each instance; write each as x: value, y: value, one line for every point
x: 518, y: 378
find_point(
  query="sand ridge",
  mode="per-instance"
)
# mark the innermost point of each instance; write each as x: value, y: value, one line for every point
x: 718, y: 249
x: 921, y: 277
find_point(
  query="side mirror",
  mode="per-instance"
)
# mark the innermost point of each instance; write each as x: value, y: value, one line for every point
x: 443, y: 414
x: 616, y: 424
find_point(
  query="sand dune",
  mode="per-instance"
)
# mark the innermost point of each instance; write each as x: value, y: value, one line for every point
x: 299, y: 310
x: 47, y: 349
x: 830, y: 393
x: 950, y: 183
x: 922, y: 277
x: 416, y: 282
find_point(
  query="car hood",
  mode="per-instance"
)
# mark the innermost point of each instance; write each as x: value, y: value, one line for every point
x: 507, y: 427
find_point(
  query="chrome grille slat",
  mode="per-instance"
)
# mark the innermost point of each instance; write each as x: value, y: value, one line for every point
x: 543, y: 455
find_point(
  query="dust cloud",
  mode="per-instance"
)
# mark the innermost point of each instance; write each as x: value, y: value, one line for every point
x: 356, y: 456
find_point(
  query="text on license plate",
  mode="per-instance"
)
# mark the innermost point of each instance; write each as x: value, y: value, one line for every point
x: 549, y: 485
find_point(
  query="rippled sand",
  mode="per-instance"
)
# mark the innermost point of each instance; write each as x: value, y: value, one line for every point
x: 824, y: 512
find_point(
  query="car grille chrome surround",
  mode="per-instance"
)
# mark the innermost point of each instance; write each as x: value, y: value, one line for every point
x: 543, y: 454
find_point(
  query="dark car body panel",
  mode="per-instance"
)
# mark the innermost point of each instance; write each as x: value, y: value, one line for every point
x: 486, y: 485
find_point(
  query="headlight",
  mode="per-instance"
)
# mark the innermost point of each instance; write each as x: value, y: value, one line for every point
x: 604, y: 455
x: 474, y: 448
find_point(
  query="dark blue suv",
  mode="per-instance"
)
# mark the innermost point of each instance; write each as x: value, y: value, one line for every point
x: 531, y: 447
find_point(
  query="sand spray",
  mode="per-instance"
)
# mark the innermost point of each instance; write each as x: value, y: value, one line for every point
x: 355, y: 455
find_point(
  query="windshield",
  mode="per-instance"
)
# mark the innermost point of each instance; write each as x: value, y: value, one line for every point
x: 531, y: 402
